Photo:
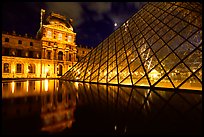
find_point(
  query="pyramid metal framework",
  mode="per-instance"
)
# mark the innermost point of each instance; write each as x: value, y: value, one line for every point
x: 159, y: 46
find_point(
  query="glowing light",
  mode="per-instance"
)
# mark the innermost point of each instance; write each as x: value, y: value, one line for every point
x: 115, y: 127
x: 13, y: 70
x: 115, y: 24
x: 13, y: 86
x: 46, y: 85
x: 76, y: 85
x: 154, y: 74
x: 27, y: 84
x: 46, y: 70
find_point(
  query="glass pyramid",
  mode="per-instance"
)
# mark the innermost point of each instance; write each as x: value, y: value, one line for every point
x: 160, y: 46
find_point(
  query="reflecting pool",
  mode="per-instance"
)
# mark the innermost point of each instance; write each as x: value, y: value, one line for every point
x: 61, y: 107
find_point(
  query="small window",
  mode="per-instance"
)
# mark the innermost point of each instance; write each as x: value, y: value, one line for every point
x: 48, y: 55
x: 19, y: 42
x: 49, y: 34
x: 6, y: 68
x: 60, y: 36
x: 69, y: 38
x: 31, y: 43
x: 83, y: 51
x: 19, y: 68
x: 70, y: 56
x: 6, y: 39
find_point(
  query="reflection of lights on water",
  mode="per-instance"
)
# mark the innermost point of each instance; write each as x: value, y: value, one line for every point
x: 27, y: 84
x: 13, y: 86
x: 76, y: 85
x: 46, y: 85
x: 115, y: 127
x: 125, y: 129
x: 77, y: 95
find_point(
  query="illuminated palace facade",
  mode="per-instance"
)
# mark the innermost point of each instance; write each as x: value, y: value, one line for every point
x: 50, y: 54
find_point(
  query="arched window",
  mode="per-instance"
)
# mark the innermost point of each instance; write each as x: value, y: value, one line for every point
x: 60, y: 55
x: 31, y: 68
x: 6, y: 68
x: 60, y: 70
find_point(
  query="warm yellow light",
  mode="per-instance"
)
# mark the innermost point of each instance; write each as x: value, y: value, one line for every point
x: 46, y: 85
x: 76, y: 85
x: 27, y: 84
x: 46, y: 70
x: 13, y: 70
x: 154, y: 74
x: 13, y: 86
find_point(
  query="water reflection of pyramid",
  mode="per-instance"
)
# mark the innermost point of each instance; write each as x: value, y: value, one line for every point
x: 160, y: 46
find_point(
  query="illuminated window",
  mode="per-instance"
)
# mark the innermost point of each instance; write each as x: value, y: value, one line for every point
x: 19, y: 68
x: 6, y: 68
x: 49, y: 34
x: 31, y: 68
x: 69, y: 38
x: 60, y: 36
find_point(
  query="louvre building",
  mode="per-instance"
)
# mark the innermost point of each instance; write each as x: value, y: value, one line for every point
x: 160, y: 46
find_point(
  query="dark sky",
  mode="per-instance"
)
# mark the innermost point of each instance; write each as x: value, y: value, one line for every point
x: 93, y: 21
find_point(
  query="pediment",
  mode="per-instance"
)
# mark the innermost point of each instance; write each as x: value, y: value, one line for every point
x: 59, y: 27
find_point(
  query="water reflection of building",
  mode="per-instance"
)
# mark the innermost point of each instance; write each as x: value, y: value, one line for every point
x: 50, y: 54
x: 57, y: 111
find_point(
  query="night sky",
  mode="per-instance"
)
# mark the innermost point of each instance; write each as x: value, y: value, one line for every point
x: 93, y: 21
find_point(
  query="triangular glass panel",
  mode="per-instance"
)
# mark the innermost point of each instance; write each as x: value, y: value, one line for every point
x: 112, y: 74
x: 184, y: 49
x: 165, y: 83
x: 155, y: 74
x: 169, y: 62
x: 138, y: 74
x: 143, y: 82
x: 194, y: 60
x: 192, y: 83
x: 155, y: 40
x: 179, y: 74
x: 114, y: 80
x: 123, y: 74
x: 199, y: 73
